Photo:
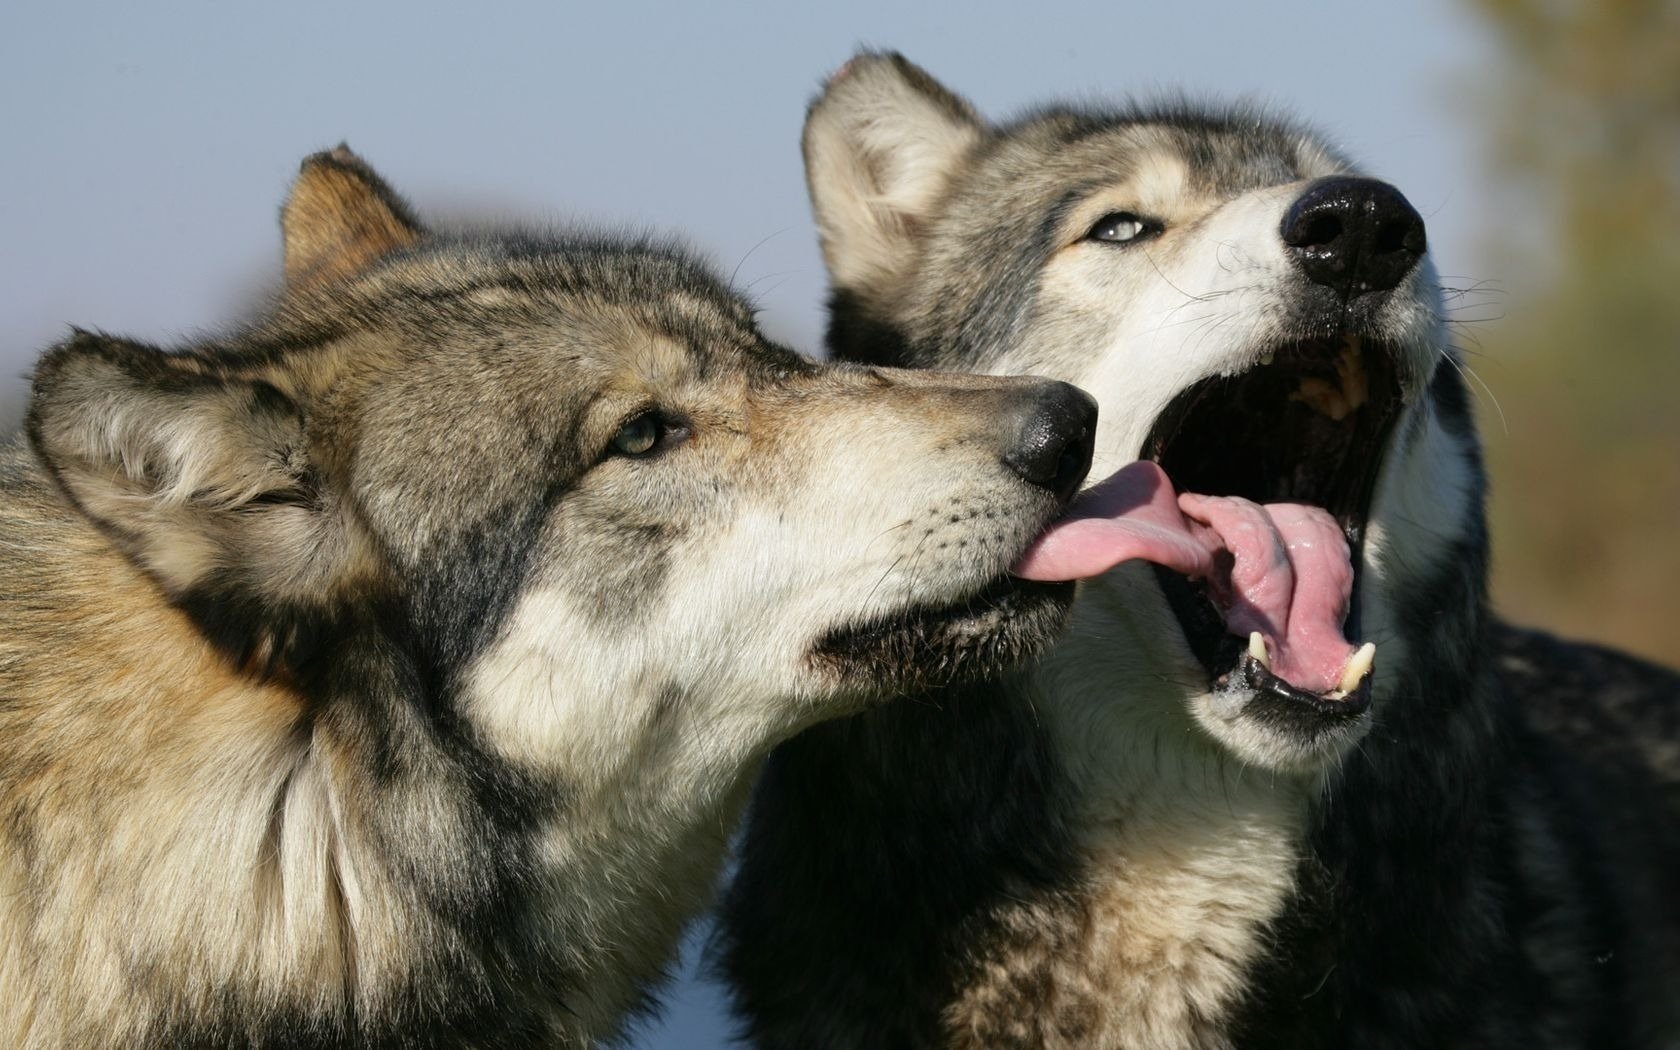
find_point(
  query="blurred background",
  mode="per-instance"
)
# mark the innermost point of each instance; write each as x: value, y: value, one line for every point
x: 147, y: 148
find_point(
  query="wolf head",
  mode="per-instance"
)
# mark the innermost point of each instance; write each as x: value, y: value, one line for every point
x: 1253, y: 314
x: 567, y: 482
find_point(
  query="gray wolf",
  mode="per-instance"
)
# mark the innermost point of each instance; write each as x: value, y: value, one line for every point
x: 1161, y: 835
x: 389, y: 672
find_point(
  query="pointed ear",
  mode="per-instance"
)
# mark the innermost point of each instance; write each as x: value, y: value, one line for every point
x: 187, y: 470
x: 339, y: 219
x: 881, y: 142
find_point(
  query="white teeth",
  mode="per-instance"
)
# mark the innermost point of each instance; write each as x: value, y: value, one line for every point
x: 1267, y: 357
x: 1257, y: 649
x: 1358, y: 666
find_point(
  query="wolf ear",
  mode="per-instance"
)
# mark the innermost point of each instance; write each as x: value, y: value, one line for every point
x: 339, y: 219
x: 181, y: 466
x: 881, y: 142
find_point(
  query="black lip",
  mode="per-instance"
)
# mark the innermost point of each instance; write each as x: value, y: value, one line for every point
x: 1246, y: 435
x: 1302, y: 717
x: 1007, y: 621
x: 1251, y: 674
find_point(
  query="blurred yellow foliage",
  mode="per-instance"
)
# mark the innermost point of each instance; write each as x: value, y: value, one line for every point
x: 1586, y: 364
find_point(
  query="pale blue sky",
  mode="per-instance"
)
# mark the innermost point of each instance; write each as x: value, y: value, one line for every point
x: 147, y: 146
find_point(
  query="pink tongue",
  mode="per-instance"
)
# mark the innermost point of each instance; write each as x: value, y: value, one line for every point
x: 1287, y: 574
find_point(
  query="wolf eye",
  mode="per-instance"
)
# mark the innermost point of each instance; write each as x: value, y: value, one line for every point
x: 639, y: 435
x: 1123, y: 227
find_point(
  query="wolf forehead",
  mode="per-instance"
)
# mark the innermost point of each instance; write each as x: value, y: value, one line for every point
x: 573, y: 309
x: 1226, y: 148
x: 586, y: 298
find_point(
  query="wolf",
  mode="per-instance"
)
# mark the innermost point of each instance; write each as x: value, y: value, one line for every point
x: 1285, y: 781
x: 389, y: 672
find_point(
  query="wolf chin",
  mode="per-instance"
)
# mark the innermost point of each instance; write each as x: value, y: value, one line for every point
x: 1147, y: 840
x: 389, y: 672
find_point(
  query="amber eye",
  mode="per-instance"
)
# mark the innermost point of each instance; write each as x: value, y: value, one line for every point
x: 639, y: 435
x: 1123, y: 227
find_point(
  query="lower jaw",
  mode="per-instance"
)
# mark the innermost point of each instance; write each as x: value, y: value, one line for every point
x: 1004, y: 624
x: 1251, y: 675
x: 1222, y: 654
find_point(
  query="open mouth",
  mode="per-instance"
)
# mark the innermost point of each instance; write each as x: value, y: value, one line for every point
x: 1251, y: 498
x: 1001, y: 624
x: 1306, y: 426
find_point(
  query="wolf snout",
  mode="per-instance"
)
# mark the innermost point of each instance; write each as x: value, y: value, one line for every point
x: 1054, y: 428
x: 1353, y: 235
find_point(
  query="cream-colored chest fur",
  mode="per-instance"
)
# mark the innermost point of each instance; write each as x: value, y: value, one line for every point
x: 1187, y: 853
x: 620, y: 900
x: 1151, y: 951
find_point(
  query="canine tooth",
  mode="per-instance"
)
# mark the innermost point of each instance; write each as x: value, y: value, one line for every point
x: 1257, y: 649
x: 1358, y: 666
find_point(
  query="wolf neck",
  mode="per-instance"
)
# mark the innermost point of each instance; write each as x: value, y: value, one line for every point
x: 275, y: 886
x: 650, y: 779
x: 514, y: 852
x: 1187, y: 854
x: 334, y: 857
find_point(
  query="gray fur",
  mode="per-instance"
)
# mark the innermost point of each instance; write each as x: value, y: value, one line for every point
x: 366, y: 681
x: 1095, y: 853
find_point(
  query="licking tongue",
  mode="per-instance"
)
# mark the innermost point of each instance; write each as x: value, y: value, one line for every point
x: 1280, y: 571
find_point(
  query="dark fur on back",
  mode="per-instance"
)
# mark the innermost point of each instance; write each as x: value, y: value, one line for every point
x: 954, y: 841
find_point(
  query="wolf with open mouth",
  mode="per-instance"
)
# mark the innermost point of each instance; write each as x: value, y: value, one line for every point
x: 1285, y: 781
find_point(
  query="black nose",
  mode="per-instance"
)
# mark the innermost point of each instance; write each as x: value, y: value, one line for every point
x: 1055, y: 432
x: 1353, y: 235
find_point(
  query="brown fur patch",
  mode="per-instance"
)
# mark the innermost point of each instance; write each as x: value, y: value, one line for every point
x: 340, y: 218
